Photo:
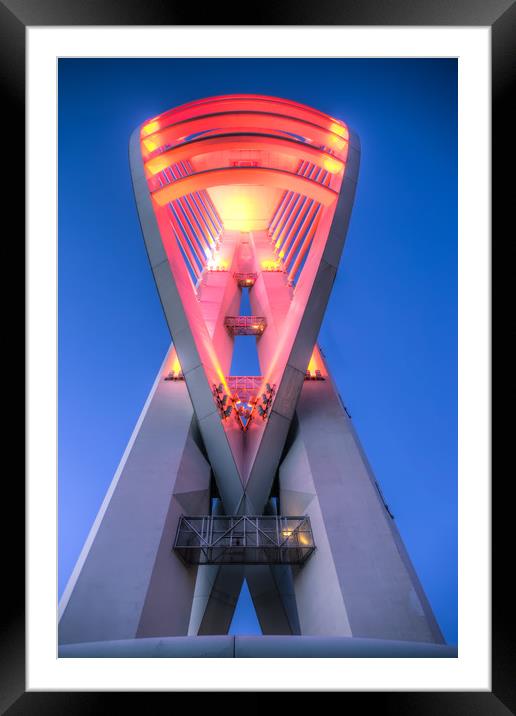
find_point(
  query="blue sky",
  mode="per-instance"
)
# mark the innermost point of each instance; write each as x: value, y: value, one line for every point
x: 390, y: 331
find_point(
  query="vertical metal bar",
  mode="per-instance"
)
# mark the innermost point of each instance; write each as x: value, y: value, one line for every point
x: 280, y: 233
x: 215, y: 231
x: 187, y: 233
x: 284, y: 216
x: 281, y: 206
x: 303, y: 170
x: 187, y: 250
x: 305, y: 246
x: 277, y: 214
x: 212, y: 208
x: 291, y: 235
x: 201, y: 550
x: 278, y: 541
x: 284, y: 201
x: 194, y: 219
x: 286, y: 234
x: 190, y: 225
x: 202, y: 214
x: 305, y: 224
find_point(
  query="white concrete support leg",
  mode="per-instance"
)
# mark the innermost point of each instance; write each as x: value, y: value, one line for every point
x: 359, y: 582
x: 216, y: 594
x: 217, y: 590
x: 128, y: 583
x: 272, y: 592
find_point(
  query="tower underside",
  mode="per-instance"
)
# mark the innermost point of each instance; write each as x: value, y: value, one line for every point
x: 256, y: 477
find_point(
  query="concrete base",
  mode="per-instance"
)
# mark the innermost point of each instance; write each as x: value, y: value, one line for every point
x: 250, y: 647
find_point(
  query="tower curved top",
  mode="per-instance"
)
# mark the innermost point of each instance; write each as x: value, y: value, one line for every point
x: 244, y: 191
x: 215, y: 100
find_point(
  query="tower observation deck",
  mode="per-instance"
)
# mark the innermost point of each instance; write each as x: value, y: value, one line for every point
x: 233, y: 477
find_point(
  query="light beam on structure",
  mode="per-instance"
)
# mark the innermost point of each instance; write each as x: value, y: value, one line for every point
x: 231, y: 477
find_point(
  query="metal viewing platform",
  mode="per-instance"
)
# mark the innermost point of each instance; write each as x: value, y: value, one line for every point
x: 245, y: 325
x: 264, y: 539
x: 245, y: 280
x: 244, y: 387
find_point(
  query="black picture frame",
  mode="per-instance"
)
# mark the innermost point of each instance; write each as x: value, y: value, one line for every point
x: 500, y: 15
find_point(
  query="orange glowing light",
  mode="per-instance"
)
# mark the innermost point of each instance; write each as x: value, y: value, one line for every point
x: 336, y: 142
x: 215, y: 264
x: 312, y: 366
x: 158, y: 163
x: 238, y: 210
x: 339, y: 129
x: 332, y: 165
x: 270, y: 265
x: 150, y: 128
x: 150, y: 145
x: 316, y: 362
x: 174, y: 366
x: 245, y: 207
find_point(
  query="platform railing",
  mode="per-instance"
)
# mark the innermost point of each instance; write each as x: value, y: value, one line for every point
x: 264, y: 539
x: 245, y: 280
x: 245, y: 325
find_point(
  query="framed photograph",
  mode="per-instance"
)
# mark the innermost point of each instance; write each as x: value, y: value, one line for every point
x: 416, y: 87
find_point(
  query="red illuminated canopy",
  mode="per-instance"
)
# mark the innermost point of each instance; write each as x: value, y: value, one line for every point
x: 240, y: 192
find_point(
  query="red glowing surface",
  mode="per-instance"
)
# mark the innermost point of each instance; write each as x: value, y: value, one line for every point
x: 252, y: 144
x: 242, y: 185
x: 244, y: 176
x: 242, y: 103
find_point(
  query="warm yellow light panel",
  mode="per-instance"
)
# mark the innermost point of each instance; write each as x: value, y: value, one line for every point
x: 245, y: 208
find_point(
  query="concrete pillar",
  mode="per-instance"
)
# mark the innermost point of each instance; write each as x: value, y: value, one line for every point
x: 360, y: 581
x: 218, y: 588
x: 128, y: 583
x: 273, y: 596
x: 216, y: 595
